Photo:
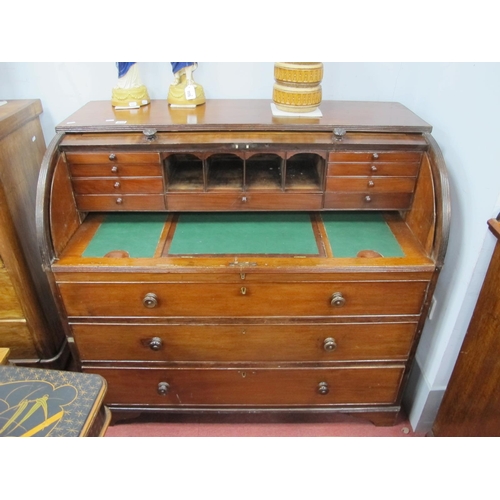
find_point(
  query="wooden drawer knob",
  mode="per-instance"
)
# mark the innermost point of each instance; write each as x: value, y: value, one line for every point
x: 150, y: 300
x: 323, y: 388
x: 329, y: 344
x: 155, y: 344
x: 337, y: 300
x: 163, y: 388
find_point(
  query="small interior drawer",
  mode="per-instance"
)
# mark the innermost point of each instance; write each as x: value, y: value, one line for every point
x: 375, y: 156
x: 371, y: 184
x: 139, y: 185
x: 119, y: 202
x: 368, y: 201
x: 112, y: 157
x: 399, y: 169
x: 115, y: 171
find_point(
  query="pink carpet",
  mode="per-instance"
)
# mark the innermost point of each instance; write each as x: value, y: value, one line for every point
x: 338, y: 425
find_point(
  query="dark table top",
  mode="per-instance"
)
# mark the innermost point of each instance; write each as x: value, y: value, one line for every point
x: 38, y: 402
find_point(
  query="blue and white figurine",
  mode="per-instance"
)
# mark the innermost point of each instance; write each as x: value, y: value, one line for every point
x: 129, y: 91
x: 184, y: 92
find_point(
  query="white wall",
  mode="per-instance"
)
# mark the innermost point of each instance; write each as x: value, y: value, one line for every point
x: 460, y: 100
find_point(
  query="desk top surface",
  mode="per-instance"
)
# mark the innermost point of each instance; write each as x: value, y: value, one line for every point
x: 244, y: 114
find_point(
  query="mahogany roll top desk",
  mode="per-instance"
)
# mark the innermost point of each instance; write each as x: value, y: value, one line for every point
x: 222, y: 259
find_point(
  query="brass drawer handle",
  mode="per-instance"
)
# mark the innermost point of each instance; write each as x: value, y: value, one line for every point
x: 116, y: 185
x: 329, y: 344
x: 112, y: 157
x: 155, y: 344
x: 114, y: 169
x: 323, y: 388
x: 243, y: 290
x: 119, y: 201
x: 150, y: 300
x: 337, y: 300
x: 163, y: 388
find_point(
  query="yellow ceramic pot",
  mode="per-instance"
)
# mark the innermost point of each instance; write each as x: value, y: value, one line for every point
x: 296, y: 99
x: 297, y: 88
x: 298, y: 72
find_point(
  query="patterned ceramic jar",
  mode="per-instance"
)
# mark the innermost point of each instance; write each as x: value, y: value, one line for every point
x: 297, y: 88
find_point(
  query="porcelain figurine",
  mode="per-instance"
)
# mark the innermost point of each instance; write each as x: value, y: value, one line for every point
x: 184, y: 91
x: 129, y: 91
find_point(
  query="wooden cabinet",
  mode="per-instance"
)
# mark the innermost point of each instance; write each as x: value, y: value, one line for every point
x: 29, y: 321
x: 219, y: 259
x: 471, y: 403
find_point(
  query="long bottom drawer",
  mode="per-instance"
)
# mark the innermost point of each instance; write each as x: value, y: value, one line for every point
x: 240, y: 386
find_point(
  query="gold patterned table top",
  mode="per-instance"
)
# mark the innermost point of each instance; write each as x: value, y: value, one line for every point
x: 38, y: 402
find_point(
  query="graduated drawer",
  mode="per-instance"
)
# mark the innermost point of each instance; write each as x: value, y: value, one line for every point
x: 375, y: 156
x: 245, y: 342
x: 115, y: 171
x: 371, y: 184
x: 235, y: 300
x: 119, y: 202
x: 374, y: 169
x: 139, y: 185
x: 246, y: 387
x: 244, y: 201
x: 112, y: 157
